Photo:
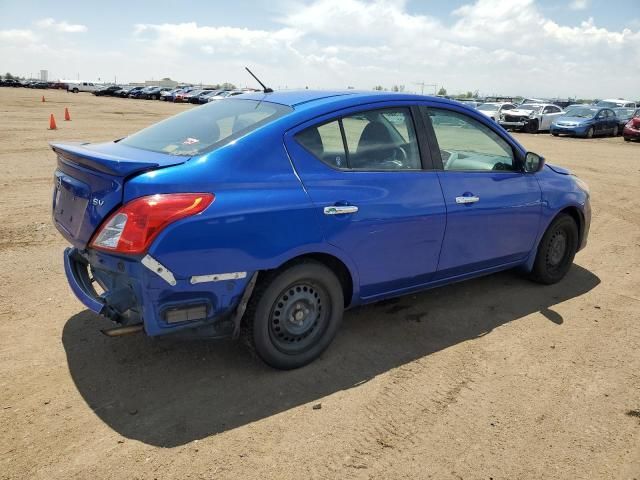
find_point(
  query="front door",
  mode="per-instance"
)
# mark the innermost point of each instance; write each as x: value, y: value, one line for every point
x: 493, y: 209
x: 364, y: 172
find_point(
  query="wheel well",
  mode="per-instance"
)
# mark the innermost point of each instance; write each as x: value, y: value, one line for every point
x: 574, y: 213
x: 336, y: 265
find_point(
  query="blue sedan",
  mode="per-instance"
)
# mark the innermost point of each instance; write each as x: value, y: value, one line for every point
x: 266, y: 215
x: 586, y: 122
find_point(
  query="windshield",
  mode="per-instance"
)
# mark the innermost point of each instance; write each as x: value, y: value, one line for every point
x: 624, y: 112
x: 488, y: 107
x: 581, y: 112
x: 204, y: 128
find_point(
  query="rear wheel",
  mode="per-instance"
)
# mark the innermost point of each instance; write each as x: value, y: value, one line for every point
x: 627, y: 139
x: 615, y: 131
x: 556, y: 251
x: 294, y: 314
x: 75, y: 90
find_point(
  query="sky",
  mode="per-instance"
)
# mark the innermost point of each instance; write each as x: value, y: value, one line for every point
x: 547, y: 48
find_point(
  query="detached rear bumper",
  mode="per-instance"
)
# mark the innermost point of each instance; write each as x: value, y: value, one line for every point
x: 139, y: 290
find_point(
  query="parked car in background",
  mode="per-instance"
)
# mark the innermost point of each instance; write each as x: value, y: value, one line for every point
x: 624, y: 114
x: 107, y: 91
x: 615, y: 102
x: 153, y: 93
x: 586, y: 122
x: 493, y: 110
x: 205, y: 97
x: 10, y: 83
x: 195, y: 98
x: 530, y: 118
x: 179, y: 96
x: 77, y: 87
x: 58, y: 85
x: 40, y: 85
x: 186, y: 97
x: 181, y: 228
x: 632, y: 128
x: 139, y: 94
x: 226, y: 94
x: 167, y: 95
x: 124, y: 91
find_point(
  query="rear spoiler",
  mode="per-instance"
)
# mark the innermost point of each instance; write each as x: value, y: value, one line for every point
x: 109, y: 157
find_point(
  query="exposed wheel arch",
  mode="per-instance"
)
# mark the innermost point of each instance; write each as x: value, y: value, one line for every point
x: 576, y: 214
x: 335, y: 264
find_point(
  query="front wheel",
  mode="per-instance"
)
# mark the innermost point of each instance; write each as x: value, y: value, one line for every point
x: 556, y: 251
x: 294, y: 314
x: 531, y: 127
x: 589, y: 133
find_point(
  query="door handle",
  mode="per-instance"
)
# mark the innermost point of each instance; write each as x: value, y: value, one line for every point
x: 463, y: 200
x: 340, y: 209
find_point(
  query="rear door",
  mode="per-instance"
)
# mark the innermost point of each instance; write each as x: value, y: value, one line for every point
x: 493, y: 209
x: 375, y: 191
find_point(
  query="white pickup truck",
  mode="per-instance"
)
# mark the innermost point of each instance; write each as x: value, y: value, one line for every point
x: 76, y: 87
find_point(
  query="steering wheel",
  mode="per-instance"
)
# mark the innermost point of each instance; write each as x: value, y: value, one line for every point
x: 500, y: 166
x: 448, y: 163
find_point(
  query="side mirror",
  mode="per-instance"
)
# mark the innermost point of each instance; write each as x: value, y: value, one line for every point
x: 533, y: 162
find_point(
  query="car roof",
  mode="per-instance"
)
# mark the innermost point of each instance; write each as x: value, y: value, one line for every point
x: 313, y: 98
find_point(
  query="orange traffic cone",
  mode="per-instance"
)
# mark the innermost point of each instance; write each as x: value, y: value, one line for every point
x: 42, y: 98
x: 52, y: 123
x: 67, y: 117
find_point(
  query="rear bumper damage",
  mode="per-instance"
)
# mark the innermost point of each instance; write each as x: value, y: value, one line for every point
x: 141, y: 291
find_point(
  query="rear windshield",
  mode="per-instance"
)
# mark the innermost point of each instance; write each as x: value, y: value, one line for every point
x: 207, y: 127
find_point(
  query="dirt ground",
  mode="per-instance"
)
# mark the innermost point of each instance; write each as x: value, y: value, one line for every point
x: 494, y: 378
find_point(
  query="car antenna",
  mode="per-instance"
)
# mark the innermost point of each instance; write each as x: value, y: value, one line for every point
x: 265, y: 89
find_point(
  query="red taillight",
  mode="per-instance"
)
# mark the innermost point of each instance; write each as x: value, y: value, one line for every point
x: 133, y: 227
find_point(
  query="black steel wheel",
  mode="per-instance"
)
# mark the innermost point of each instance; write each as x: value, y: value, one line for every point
x: 294, y: 314
x: 556, y: 251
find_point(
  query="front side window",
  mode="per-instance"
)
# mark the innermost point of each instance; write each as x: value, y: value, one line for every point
x: 373, y: 140
x: 207, y: 127
x: 468, y: 145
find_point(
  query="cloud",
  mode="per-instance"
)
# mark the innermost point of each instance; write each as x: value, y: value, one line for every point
x: 16, y: 36
x: 579, y: 4
x: 61, y: 27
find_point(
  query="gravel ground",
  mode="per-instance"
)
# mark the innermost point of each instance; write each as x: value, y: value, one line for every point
x: 493, y: 378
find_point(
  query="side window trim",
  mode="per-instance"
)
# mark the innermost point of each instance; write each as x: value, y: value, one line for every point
x: 344, y: 145
x: 435, y: 147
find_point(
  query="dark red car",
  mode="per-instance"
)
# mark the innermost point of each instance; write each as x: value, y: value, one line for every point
x: 632, y: 128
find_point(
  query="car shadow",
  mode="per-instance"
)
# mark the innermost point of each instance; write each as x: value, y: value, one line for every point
x: 167, y: 392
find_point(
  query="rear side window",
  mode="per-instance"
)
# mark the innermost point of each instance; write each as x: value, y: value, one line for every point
x: 207, y: 127
x: 468, y: 145
x: 373, y: 140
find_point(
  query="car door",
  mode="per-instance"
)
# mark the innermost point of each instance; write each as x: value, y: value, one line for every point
x: 375, y: 192
x: 549, y: 114
x: 600, y: 123
x: 493, y: 208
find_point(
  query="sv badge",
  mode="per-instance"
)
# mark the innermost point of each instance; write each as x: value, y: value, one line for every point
x: 97, y: 202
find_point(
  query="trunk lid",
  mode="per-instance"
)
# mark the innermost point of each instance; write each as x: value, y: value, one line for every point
x: 89, y: 182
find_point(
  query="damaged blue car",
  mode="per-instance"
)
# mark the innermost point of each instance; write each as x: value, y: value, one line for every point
x: 266, y: 215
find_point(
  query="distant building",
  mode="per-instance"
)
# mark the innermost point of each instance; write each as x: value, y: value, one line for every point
x: 44, y: 75
x: 165, y: 82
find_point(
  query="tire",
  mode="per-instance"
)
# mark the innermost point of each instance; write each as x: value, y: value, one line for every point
x: 627, y: 139
x: 75, y: 90
x: 294, y: 314
x: 615, y: 131
x: 531, y: 127
x: 555, y: 134
x: 154, y: 97
x: 556, y: 251
x: 589, y: 133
